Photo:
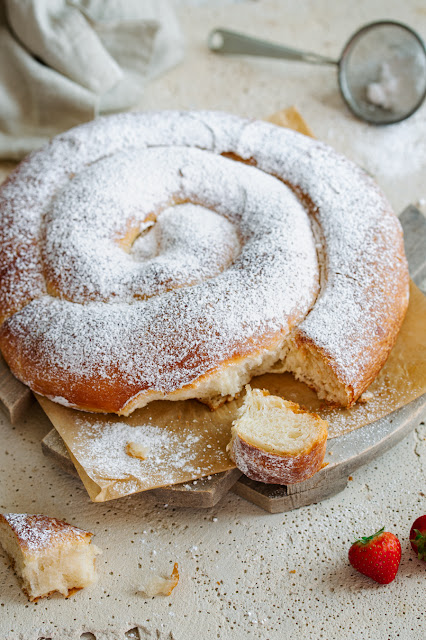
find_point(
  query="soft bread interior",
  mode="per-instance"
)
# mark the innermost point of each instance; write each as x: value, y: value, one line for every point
x: 219, y: 387
x: 307, y: 365
x: 159, y: 586
x: 277, y: 425
x: 303, y: 361
x: 62, y: 568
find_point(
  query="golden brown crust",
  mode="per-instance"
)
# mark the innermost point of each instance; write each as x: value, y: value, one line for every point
x: 117, y: 395
x: 70, y: 593
x: 271, y: 444
x: 38, y: 532
x: 383, y: 334
x: 271, y: 468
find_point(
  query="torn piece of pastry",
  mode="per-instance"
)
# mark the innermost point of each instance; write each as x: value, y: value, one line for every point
x: 367, y: 396
x: 159, y: 586
x: 48, y: 555
x: 137, y: 450
x: 275, y: 441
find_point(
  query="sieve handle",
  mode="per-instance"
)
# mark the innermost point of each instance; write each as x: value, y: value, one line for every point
x: 224, y: 41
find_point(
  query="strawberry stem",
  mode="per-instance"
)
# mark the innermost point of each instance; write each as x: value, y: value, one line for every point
x: 367, y: 539
x: 420, y: 542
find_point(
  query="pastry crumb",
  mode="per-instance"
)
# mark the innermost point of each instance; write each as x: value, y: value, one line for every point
x: 159, y: 586
x: 367, y: 396
x: 137, y: 450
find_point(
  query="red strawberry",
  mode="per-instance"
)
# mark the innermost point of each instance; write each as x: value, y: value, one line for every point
x: 418, y: 537
x: 377, y: 556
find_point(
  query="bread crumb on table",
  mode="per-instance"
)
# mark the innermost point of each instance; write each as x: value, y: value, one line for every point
x: 159, y: 586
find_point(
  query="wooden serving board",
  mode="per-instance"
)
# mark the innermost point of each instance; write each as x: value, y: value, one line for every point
x: 15, y: 397
x: 344, y: 454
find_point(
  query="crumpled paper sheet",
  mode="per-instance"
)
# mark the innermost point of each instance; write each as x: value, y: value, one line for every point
x: 186, y: 441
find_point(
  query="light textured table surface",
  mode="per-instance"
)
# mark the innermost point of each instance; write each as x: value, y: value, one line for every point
x: 245, y: 573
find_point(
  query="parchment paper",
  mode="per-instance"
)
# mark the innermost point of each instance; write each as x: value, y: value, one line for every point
x: 186, y: 441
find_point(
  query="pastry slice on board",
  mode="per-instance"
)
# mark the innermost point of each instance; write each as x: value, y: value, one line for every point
x: 275, y: 441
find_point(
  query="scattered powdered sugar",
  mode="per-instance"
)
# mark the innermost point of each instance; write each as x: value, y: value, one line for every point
x: 394, y: 151
x: 37, y: 532
x: 399, y: 83
x: 103, y: 451
x: 59, y: 400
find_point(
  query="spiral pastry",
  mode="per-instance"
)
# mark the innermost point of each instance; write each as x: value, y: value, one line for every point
x: 175, y: 255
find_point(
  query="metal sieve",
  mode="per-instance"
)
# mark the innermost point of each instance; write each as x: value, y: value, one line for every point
x: 381, y: 70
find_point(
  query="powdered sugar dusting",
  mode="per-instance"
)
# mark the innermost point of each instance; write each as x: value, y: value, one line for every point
x: 37, y: 533
x: 366, y: 274
x: 227, y: 268
x: 186, y: 245
x: 103, y: 451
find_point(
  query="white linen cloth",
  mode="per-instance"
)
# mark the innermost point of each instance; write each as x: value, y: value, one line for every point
x: 63, y: 62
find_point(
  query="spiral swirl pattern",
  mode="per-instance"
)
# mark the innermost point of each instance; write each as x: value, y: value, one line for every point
x: 139, y: 262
